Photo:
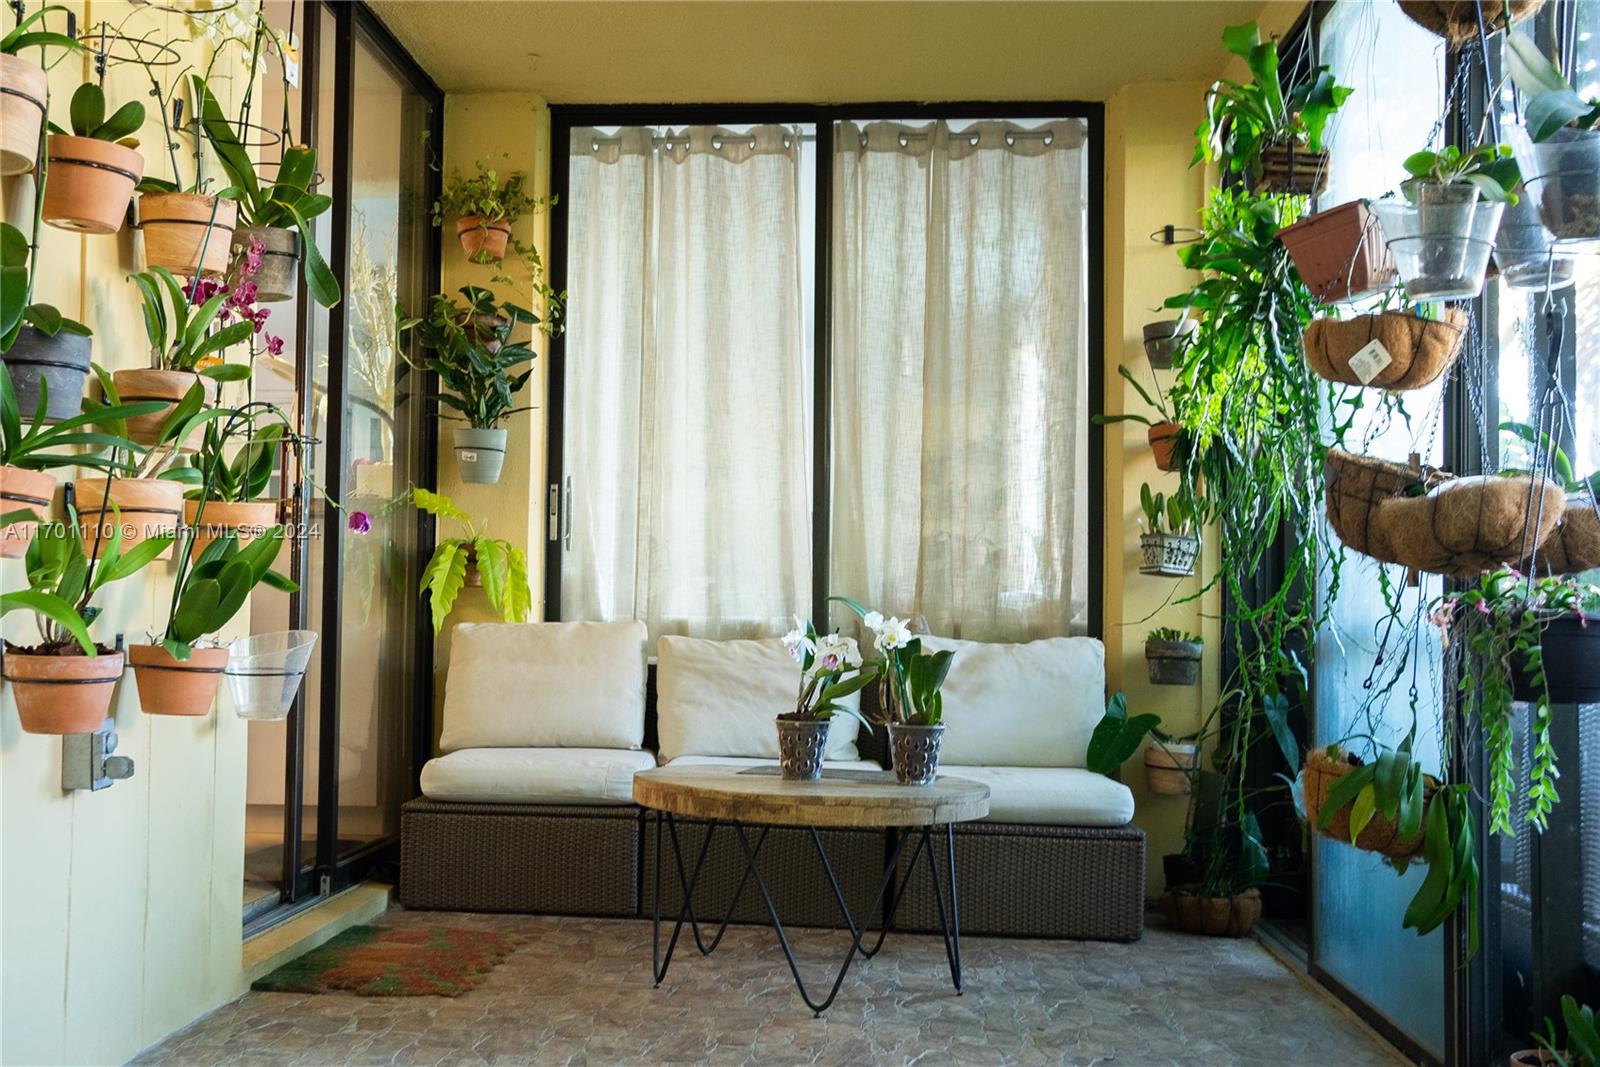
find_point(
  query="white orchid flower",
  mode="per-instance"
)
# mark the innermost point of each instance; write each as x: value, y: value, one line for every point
x: 797, y: 643
x: 873, y: 620
x: 836, y: 654
x: 893, y: 634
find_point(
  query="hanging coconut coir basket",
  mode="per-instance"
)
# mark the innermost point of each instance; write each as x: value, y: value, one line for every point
x: 1574, y: 546
x: 1379, y: 835
x: 1430, y: 521
x: 1392, y: 350
x: 1457, y: 20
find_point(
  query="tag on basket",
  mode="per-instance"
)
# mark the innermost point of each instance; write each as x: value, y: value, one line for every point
x: 1368, y: 363
x: 466, y: 455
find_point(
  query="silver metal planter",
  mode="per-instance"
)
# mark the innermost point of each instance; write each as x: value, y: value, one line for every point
x: 916, y: 752
x: 480, y: 454
x: 801, y: 745
x: 1164, y: 340
x: 280, y: 260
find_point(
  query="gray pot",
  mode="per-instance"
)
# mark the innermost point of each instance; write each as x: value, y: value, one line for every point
x: 801, y: 745
x: 1164, y: 340
x: 60, y: 362
x: 480, y: 455
x: 1173, y: 662
x: 280, y: 260
x: 916, y: 752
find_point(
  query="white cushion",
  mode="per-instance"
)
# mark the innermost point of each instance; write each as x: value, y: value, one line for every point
x: 742, y: 761
x: 1052, y: 796
x: 722, y: 698
x: 545, y: 685
x: 1027, y: 705
x: 535, y: 775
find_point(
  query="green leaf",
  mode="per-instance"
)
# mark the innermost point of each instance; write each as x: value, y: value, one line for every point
x: 1343, y: 792
x: 196, y: 609
x: 445, y: 576
x: 126, y: 120
x: 320, y: 282
x: 53, y: 608
x: 88, y: 109
x: 438, y: 504
x: 225, y: 142
x: 519, y: 596
x: 133, y: 560
x: 1276, y: 709
x: 1362, y: 811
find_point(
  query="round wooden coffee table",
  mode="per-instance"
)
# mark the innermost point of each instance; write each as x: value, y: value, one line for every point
x: 738, y: 797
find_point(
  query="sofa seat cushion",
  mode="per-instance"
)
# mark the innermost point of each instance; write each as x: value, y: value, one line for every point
x: 745, y: 761
x: 1050, y: 796
x: 720, y: 698
x: 535, y: 775
x: 1021, y: 705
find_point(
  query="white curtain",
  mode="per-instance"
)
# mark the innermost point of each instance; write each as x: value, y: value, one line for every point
x: 687, y: 431
x: 960, y: 375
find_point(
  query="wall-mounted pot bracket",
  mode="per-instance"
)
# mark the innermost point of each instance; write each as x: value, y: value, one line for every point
x: 87, y: 761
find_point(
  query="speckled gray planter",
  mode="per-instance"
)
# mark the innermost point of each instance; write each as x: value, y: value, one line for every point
x: 916, y: 752
x: 1173, y: 662
x: 61, y: 362
x: 1163, y: 340
x: 801, y: 744
x: 480, y: 454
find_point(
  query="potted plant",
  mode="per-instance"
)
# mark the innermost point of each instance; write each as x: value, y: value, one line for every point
x: 38, y: 344
x: 1525, y: 252
x: 470, y: 348
x: 1170, y: 543
x: 1172, y: 656
x: 93, y: 170
x: 1442, y: 231
x: 63, y: 685
x: 502, y: 566
x: 229, y: 493
x: 830, y: 670
x: 24, y: 91
x: 908, y: 694
x: 1581, y: 1047
x: 187, y: 230
x: 1339, y: 253
x: 1565, y: 129
x: 1394, y: 350
x: 1165, y: 339
x: 485, y: 208
x: 1165, y: 435
x: 1116, y: 737
x: 1574, y: 546
x: 1170, y: 765
x: 1376, y: 806
x: 1257, y: 130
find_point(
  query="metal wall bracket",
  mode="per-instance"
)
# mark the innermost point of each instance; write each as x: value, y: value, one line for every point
x: 87, y: 761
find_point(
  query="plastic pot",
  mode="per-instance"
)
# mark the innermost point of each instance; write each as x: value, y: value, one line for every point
x: 1571, y: 655
x: 169, y: 687
x: 134, y: 386
x: 67, y: 694
x: 23, y: 94
x: 1524, y: 251
x: 1168, y: 555
x: 180, y: 228
x: 1173, y: 662
x: 146, y: 508
x: 247, y: 520
x: 91, y: 183
x: 483, y: 242
x: 60, y: 363
x: 916, y: 752
x: 19, y: 489
x: 1567, y: 185
x: 1163, y: 438
x: 1441, y: 243
x: 479, y: 455
x: 265, y: 670
x: 1164, y: 340
x: 801, y: 745
x: 280, y: 260
x: 1339, y: 253
x: 1166, y: 771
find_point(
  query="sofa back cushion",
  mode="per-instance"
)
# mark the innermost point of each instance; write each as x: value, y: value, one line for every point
x: 720, y: 698
x: 545, y: 685
x: 1026, y: 705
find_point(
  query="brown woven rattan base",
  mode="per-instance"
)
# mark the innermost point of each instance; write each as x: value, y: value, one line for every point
x: 1073, y: 882
x: 520, y: 857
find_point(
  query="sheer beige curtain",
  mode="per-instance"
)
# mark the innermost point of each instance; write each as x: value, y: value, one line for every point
x: 687, y: 437
x: 960, y: 373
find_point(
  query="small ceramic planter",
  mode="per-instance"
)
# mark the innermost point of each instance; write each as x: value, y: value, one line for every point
x: 1173, y: 662
x: 246, y: 520
x: 479, y: 455
x: 1163, y: 438
x: 63, y: 694
x: 23, y: 92
x: 23, y: 490
x: 280, y: 260
x: 483, y: 242
x: 170, y: 687
x: 55, y: 366
x: 1567, y: 185
x: 91, y: 183
x: 1440, y: 243
x: 187, y: 233
x: 1339, y: 253
x: 145, y: 508
x: 171, y: 386
x: 265, y: 670
x: 1167, y: 768
x: 801, y: 745
x: 916, y: 752
x: 1168, y: 555
x: 1164, y: 340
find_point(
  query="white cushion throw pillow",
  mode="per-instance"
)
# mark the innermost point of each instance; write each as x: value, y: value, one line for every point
x: 721, y: 698
x: 545, y: 685
x: 1027, y: 705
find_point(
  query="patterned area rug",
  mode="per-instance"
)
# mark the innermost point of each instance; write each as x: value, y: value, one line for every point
x: 394, y: 961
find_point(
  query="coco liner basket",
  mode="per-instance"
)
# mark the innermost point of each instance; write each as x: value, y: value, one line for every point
x: 1379, y: 835
x: 1574, y: 547
x: 1233, y: 916
x: 1418, y: 350
x: 1457, y: 20
x: 1430, y: 521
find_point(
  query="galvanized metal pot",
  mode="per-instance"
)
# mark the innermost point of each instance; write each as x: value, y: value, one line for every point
x: 801, y: 744
x: 916, y: 752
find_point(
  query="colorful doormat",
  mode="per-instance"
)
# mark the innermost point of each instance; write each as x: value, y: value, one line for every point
x: 394, y: 961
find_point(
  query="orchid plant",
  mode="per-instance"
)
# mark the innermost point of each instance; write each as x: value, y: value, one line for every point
x: 831, y: 668
x: 908, y: 678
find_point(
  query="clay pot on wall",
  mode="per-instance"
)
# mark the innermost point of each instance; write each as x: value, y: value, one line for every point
x: 181, y: 227
x: 483, y: 242
x: 1164, y: 438
x: 23, y: 489
x: 91, y: 183
x: 1166, y: 768
x: 170, y: 687
x: 23, y: 94
x: 146, y: 508
x: 169, y: 385
x: 247, y: 520
x: 68, y: 693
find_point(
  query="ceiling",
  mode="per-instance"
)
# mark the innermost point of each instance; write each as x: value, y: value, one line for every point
x: 766, y: 51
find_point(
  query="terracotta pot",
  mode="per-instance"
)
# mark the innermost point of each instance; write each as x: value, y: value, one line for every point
x: 1340, y: 253
x: 483, y: 242
x: 1233, y: 916
x: 134, y: 386
x: 91, y: 183
x: 248, y: 520
x: 56, y: 366
x: 149, y: 507
x: 168, y: 687
x: 33, y: 490
x: 177, y: 226
x: 280, y: 260
x: 472, y: 577
x: 23, y: 93
x: 1166, y: 769
x: 63, y: 694
x: 1163, y: 438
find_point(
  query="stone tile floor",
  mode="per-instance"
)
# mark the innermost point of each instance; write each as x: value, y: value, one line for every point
x: 579, y: 991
